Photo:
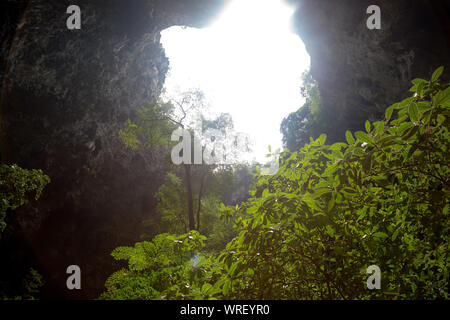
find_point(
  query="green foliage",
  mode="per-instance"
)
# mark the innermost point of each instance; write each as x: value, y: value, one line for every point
x: 17, y: 185
x: 168, y: 267
x: 170, y: 215
x: 308, y: 121
x: 28, y: 288
x: 181, y: 199
x: 332, y: 211
x: 311, y: 230
x: 171, y: 209
x: 32, y: 283
x: 152, y: 129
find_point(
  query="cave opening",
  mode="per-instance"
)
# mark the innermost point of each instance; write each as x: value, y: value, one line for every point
x: 248, y: 63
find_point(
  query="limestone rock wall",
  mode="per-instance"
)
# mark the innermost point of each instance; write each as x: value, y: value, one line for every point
x: 360, y: 71
x: 65, y: 96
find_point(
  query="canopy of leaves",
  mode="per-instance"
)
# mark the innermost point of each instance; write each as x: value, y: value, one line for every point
x: 17, y: 185
x: 308, y: 121
x: 331, y: 211
x: 310, y: 231
x: 160, y: 269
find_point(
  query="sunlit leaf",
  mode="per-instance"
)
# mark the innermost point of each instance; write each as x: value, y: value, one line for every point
x: 437, y: 73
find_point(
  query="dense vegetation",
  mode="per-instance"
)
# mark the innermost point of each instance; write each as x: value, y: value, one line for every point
x: 17, y: 187
x: 308, y: 121
x: 310, y: 231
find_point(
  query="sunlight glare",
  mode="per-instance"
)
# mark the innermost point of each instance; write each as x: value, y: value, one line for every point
x: 248, y: 63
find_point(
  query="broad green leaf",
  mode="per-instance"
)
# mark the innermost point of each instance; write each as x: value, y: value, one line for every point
x: 437, y: 73
x: 394, y: 236
x: 443, y: 97
x: 338, y: 154
x: 359, y: 151
x: 330, y: 170
x: 338, y: 146
x: 367, y: 125
x: 440, y: 119
x: 413, y: 112
x: 349, y: 190
x: 363, y: 137
x: 418, y: 81
x: 330, y: 230
x: 380, y: 235
x: 423, y: 105
x: 379, y: 127
x: 206, y: 287
x: 233, y: 268
x: 349, y: 137
x: 410, y: 133
x: 404, y: 127
x: 389, y: 113
x: 331, y: 203
x: 320, y: 192
x: 405, y: 102
x: 322, y: 139
x: 420, y: 88
x: 252, y: 209
x: 310, y: 202
x: 227, y: 287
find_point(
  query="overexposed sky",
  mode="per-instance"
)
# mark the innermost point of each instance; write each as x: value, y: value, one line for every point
x: 248, y: 63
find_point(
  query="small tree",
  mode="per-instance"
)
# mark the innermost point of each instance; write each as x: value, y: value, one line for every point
x: 17, y: 186
x: 153, y: 130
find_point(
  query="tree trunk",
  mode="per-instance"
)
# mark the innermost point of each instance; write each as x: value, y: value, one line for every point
x: 187, y: 170
x: 200, y: 194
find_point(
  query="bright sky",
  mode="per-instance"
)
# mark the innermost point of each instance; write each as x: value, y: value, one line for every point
x: 248, y: 63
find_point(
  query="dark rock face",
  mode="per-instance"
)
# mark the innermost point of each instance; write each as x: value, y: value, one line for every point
x: 66, y: 95
x: 360, y: 71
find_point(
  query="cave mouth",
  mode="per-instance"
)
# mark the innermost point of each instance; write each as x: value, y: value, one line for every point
x: 248, y: 63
